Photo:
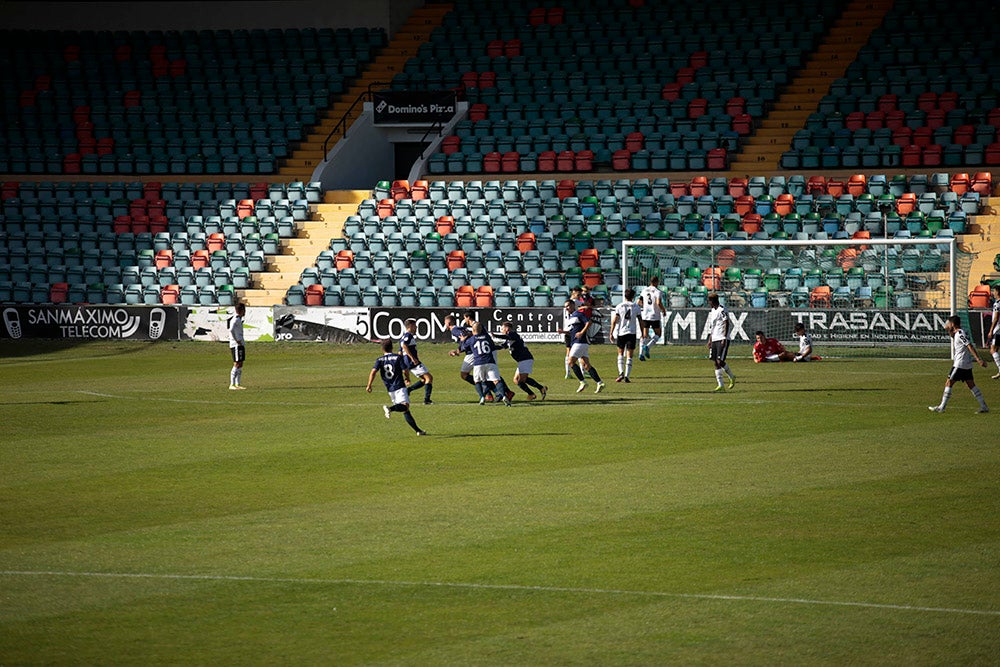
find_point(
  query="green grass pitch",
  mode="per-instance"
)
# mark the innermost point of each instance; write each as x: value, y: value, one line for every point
x: 816, y: 514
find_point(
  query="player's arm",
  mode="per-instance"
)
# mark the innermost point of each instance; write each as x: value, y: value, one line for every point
x: 614, y: 324
x: 995, y: 325
x: 371, y: 378
x: 408, y: 354
x: 975, y: 354
x: 758, y: 353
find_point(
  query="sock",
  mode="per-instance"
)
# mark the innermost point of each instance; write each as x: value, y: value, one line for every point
x: 232, y: 375
x: 567, y: 365
x: 718, y: 375
x: 621, y: 364
x: 996, y: 358
x: 501, y: 390
x: 523, y: 386
x: 239, y: 375
x: 594, y: 374
x: 944, y: 397
x: 628, y: 367
x: 728, y: 372
x: 416, y: 385
x: 979, y: 397
x: 427, y: 391
x: 532, y: 382
x: 480, y: 389
x: 653, y: 339
x: 578, y: 373
x: 468, y: 378
x: 398, y: 407
x: 410, y: 420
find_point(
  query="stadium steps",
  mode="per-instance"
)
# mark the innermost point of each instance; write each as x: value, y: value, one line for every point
x: 300, y: 164
x: 849, y: 33
x: 327, y: 221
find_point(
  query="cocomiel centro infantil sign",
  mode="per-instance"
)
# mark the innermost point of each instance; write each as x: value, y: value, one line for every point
x: 413, y: 108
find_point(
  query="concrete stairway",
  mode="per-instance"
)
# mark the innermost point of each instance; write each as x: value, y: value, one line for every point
x: 326, y: 222
x: 762, y: 151
x: 404, y: 44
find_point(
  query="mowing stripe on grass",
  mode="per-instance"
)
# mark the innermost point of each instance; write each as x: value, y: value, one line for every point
x: 498, y: 587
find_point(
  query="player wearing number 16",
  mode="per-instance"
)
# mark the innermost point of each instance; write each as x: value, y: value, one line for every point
x: 394, y: 371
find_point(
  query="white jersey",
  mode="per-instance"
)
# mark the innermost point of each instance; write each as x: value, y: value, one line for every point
x: 626, y: 319
x: 805, y: 344
x: 718, y: 323
x: 652, y: 302
x: 235, y: 331
x: 995, y: 323
x: 961, y: 357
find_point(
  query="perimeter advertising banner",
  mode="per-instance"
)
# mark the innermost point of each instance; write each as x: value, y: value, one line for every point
x: 355, y: 325
x: 413, y: 108
x: 90, y: 322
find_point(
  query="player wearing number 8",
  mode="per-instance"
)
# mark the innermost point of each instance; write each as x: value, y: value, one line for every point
x: 394, y: 371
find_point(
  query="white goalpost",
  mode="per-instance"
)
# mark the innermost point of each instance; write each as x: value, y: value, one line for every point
x: 858, y: 292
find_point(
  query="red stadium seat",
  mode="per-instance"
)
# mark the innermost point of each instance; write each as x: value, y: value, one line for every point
x: 465, y: 296
x: 526, y: 241
x: 456, y: 260
x: 445, y: 225
x: 483, y: 297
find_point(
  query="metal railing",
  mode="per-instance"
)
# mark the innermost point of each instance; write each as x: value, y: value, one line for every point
x: 342, y: 124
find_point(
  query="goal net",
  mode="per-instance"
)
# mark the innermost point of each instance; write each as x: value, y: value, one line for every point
x: 866, y: 294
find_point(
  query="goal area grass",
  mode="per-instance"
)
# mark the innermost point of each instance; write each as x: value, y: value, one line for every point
x: 815, y: 514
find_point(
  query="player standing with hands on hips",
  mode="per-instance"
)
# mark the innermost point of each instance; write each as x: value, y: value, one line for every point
x: 964, y: 357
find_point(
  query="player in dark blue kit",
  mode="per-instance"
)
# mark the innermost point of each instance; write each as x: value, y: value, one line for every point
x: 525, y: 361
x: 484, y: 369
x: 458, y: 334
x: 408, y: 348
x: 394, y: 370
x: 579, y: 333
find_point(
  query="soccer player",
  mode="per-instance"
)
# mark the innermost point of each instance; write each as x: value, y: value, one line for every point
x: 458, y: 334
x: 718, y: 340
x: 624, y: 326
x: 568, y: 309
x: 525, y: 361
x: 769, y: 349
x: 237, y: 347
x: 805, y: 344
x: 994, y: 334
x: 484, y: 369
x: 964, y: 357
x: 394, y: 370
x: 408, y: 348
x: 579, y: 325
x: 654, y: 305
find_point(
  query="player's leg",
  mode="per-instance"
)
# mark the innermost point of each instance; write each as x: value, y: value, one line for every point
x: 977, y: 394
x: 236, y: 373
x: 643, y: 340
x: 946, y: 395
x: 995, y: 353
x: 716, y: 357
x: 620, y: 360
x: 428, y: 380
x: 725, y: 365
x: 629, y: 355
x: 653, y: 338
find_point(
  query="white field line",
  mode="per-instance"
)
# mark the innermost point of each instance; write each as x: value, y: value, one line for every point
x: 498, y: 587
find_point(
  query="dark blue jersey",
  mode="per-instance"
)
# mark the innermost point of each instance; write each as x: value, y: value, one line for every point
x: 577, y: 321
x: 458, y: 333
x: 513, y: 342
x: 392, y: 369
x: 410, y: 341
x: 482, y: 348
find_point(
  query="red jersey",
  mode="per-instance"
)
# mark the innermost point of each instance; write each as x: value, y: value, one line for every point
x: 770, y: 346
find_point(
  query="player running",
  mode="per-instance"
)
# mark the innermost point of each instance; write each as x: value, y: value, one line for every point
x: 408, y: 348
x: 394, y: 370
x: 654, y: 305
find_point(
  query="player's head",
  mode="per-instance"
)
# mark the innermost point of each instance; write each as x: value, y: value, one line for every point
x: 629, y: 294
x: 387, y: 346
x: 241, y: 309
x: 654, y: 280
x: 449, y: 320
x: 569, y: 305
x: 506, y: 327
x: 574, y: 291
x: 800, y: 328
x: 759, y: 335
x: 996, y: 290
x: 477, y: 328
x: 469, y: 316
x: 952, y: 323
x: 410, y: 324
x: 713, y: 300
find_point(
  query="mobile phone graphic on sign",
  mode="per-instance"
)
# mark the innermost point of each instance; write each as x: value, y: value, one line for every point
x: 12, y: 320
x: 157, y: 317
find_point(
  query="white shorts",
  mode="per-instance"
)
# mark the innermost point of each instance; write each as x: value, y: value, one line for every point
x: 399, y: 396
x: 419, y: 370
x: 580, y: 350
x: 525, y: 367
x: 486, y: 372
x: 467, y: 364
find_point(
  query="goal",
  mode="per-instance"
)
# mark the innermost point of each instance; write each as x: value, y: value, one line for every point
x: 858, y: 292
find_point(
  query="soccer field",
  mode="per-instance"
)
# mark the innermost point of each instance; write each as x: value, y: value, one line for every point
x: 816, y: 514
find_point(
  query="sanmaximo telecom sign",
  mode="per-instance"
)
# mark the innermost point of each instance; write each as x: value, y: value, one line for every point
x: 90, y: 322
x: 413, y: 108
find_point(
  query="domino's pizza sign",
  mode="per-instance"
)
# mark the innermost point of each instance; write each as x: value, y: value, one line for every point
x: 413, y: 108
x: 90, y: 322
